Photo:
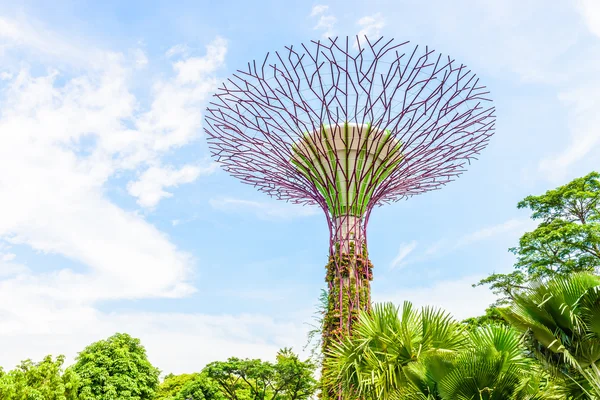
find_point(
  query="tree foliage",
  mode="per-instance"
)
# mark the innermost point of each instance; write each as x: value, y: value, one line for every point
x: 116, y: 368
x: 566, y: 240
x: 287, y: 379
x: 39, y: 381
x: 195, y: 386
x: 172, y: 385
x: 492, y: 316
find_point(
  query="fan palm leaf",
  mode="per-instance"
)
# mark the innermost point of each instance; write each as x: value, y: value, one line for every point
x: 562, y: 317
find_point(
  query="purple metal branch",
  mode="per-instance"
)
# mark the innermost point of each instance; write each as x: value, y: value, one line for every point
x: 435, y: 107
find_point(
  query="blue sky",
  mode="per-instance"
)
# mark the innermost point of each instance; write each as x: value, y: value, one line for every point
x: 114, y: 218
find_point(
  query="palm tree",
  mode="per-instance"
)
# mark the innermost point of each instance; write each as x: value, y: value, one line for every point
x: 385, y: 341
x: 496, y: 367
x: 562, y: 319
x: 424, y: 354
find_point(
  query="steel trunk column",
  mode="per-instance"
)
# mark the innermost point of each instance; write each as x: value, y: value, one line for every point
x: 349, y: 273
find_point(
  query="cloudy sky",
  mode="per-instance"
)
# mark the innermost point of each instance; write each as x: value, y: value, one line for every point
x: 113, y: 217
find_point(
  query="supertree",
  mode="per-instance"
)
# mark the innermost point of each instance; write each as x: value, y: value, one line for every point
x: 347, y: 125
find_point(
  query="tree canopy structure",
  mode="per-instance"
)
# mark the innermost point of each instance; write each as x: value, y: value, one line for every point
x: 348, y: 124
x: 116, y: 368
x: 565, y: 241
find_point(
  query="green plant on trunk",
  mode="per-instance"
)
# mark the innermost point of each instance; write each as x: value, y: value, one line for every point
x: 348, y: 277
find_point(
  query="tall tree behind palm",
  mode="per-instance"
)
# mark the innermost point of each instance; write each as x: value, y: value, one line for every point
x: 566, y: 240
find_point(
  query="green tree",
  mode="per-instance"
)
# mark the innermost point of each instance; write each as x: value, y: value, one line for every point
x: 566, y: 240
x: 288, y: 379
x: 562, y: 320
x: 492, y: 316
x: 172, y: 385
x: 293, y: 376
x: 39, y: 381
x: 116, y: 368
x: 189, y: 387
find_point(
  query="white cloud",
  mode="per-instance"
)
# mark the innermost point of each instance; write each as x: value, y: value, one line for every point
x: 271, y: 294
x: 371, y: 26
x: 581, y: 103
x: 44, y: 314
x: 10, y: 269
x: 445, y: 246
x: 542, y: 45
x: 590, y: 11
x: 194, y: 339
x: 579, y: 95
x: 67, y: 140
x: 266, y: 210
x: 24, y: 36
x: 7, y: 257
x: 318, y: 10
x: 196, y: 69
x: 70, y: 130
x: 140, y: 58
x: 488, y: 232
x: 582, y: 143
x: 178, y: 49
x: 150, y: 187
x: 403, y: 252
x: 174, y: 118
x: 456, y: 296
x: 533, y: 43
x: 326, y: 22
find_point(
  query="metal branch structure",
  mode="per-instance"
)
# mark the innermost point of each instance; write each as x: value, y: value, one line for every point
x: 348, y: 124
